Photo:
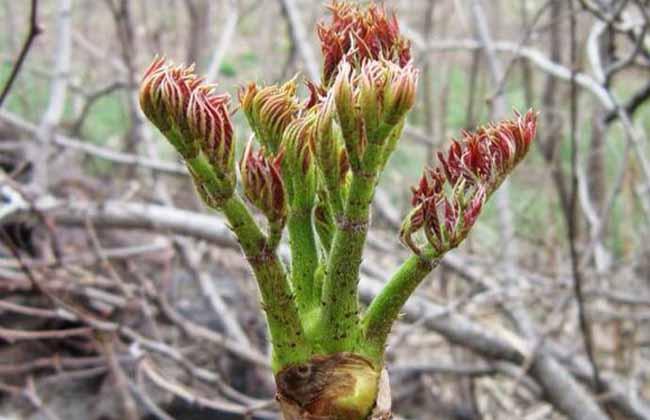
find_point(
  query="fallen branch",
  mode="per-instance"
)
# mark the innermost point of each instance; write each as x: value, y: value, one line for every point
x: 455, y: 328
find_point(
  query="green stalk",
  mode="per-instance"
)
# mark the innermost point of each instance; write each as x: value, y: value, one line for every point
x: 386, y: 306
x: 285, y: 326
x: 300, y: 185
x: 304, y: 258
x: 287, y: 336
x: 340, y: 312
x: 340, y: 303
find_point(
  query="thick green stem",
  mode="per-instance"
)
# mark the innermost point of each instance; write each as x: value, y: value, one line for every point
x: 285, y: 326
x: 287, y: 336
x: 340, y: 314
x: 304, y: 259
x: 340, y: 296
x: 386, y: 306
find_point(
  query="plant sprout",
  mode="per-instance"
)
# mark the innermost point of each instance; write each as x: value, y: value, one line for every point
x: 312, y: 170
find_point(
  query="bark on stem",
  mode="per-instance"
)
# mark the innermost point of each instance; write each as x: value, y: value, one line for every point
x: 339, y: 386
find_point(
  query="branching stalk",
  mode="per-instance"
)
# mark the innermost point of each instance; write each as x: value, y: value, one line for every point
x: 285, y: 327
x: 386, y: 306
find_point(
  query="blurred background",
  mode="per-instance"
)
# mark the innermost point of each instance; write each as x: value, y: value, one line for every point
x: 122, y: 297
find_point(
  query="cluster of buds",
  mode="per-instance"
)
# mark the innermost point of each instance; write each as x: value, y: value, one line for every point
x: 262, y: 183
x: 191, y: 116
x: 357, y: 34
x: 269, y: 111
x: 449, y: 198
x: 370, y: 101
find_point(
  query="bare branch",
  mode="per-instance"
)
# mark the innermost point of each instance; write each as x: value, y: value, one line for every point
x: 572, y: 220
x: 33, y: 32
x: 299, y: 35
x: 225, y: 40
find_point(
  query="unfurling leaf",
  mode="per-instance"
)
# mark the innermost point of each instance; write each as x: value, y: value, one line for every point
x: 449, y: 198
